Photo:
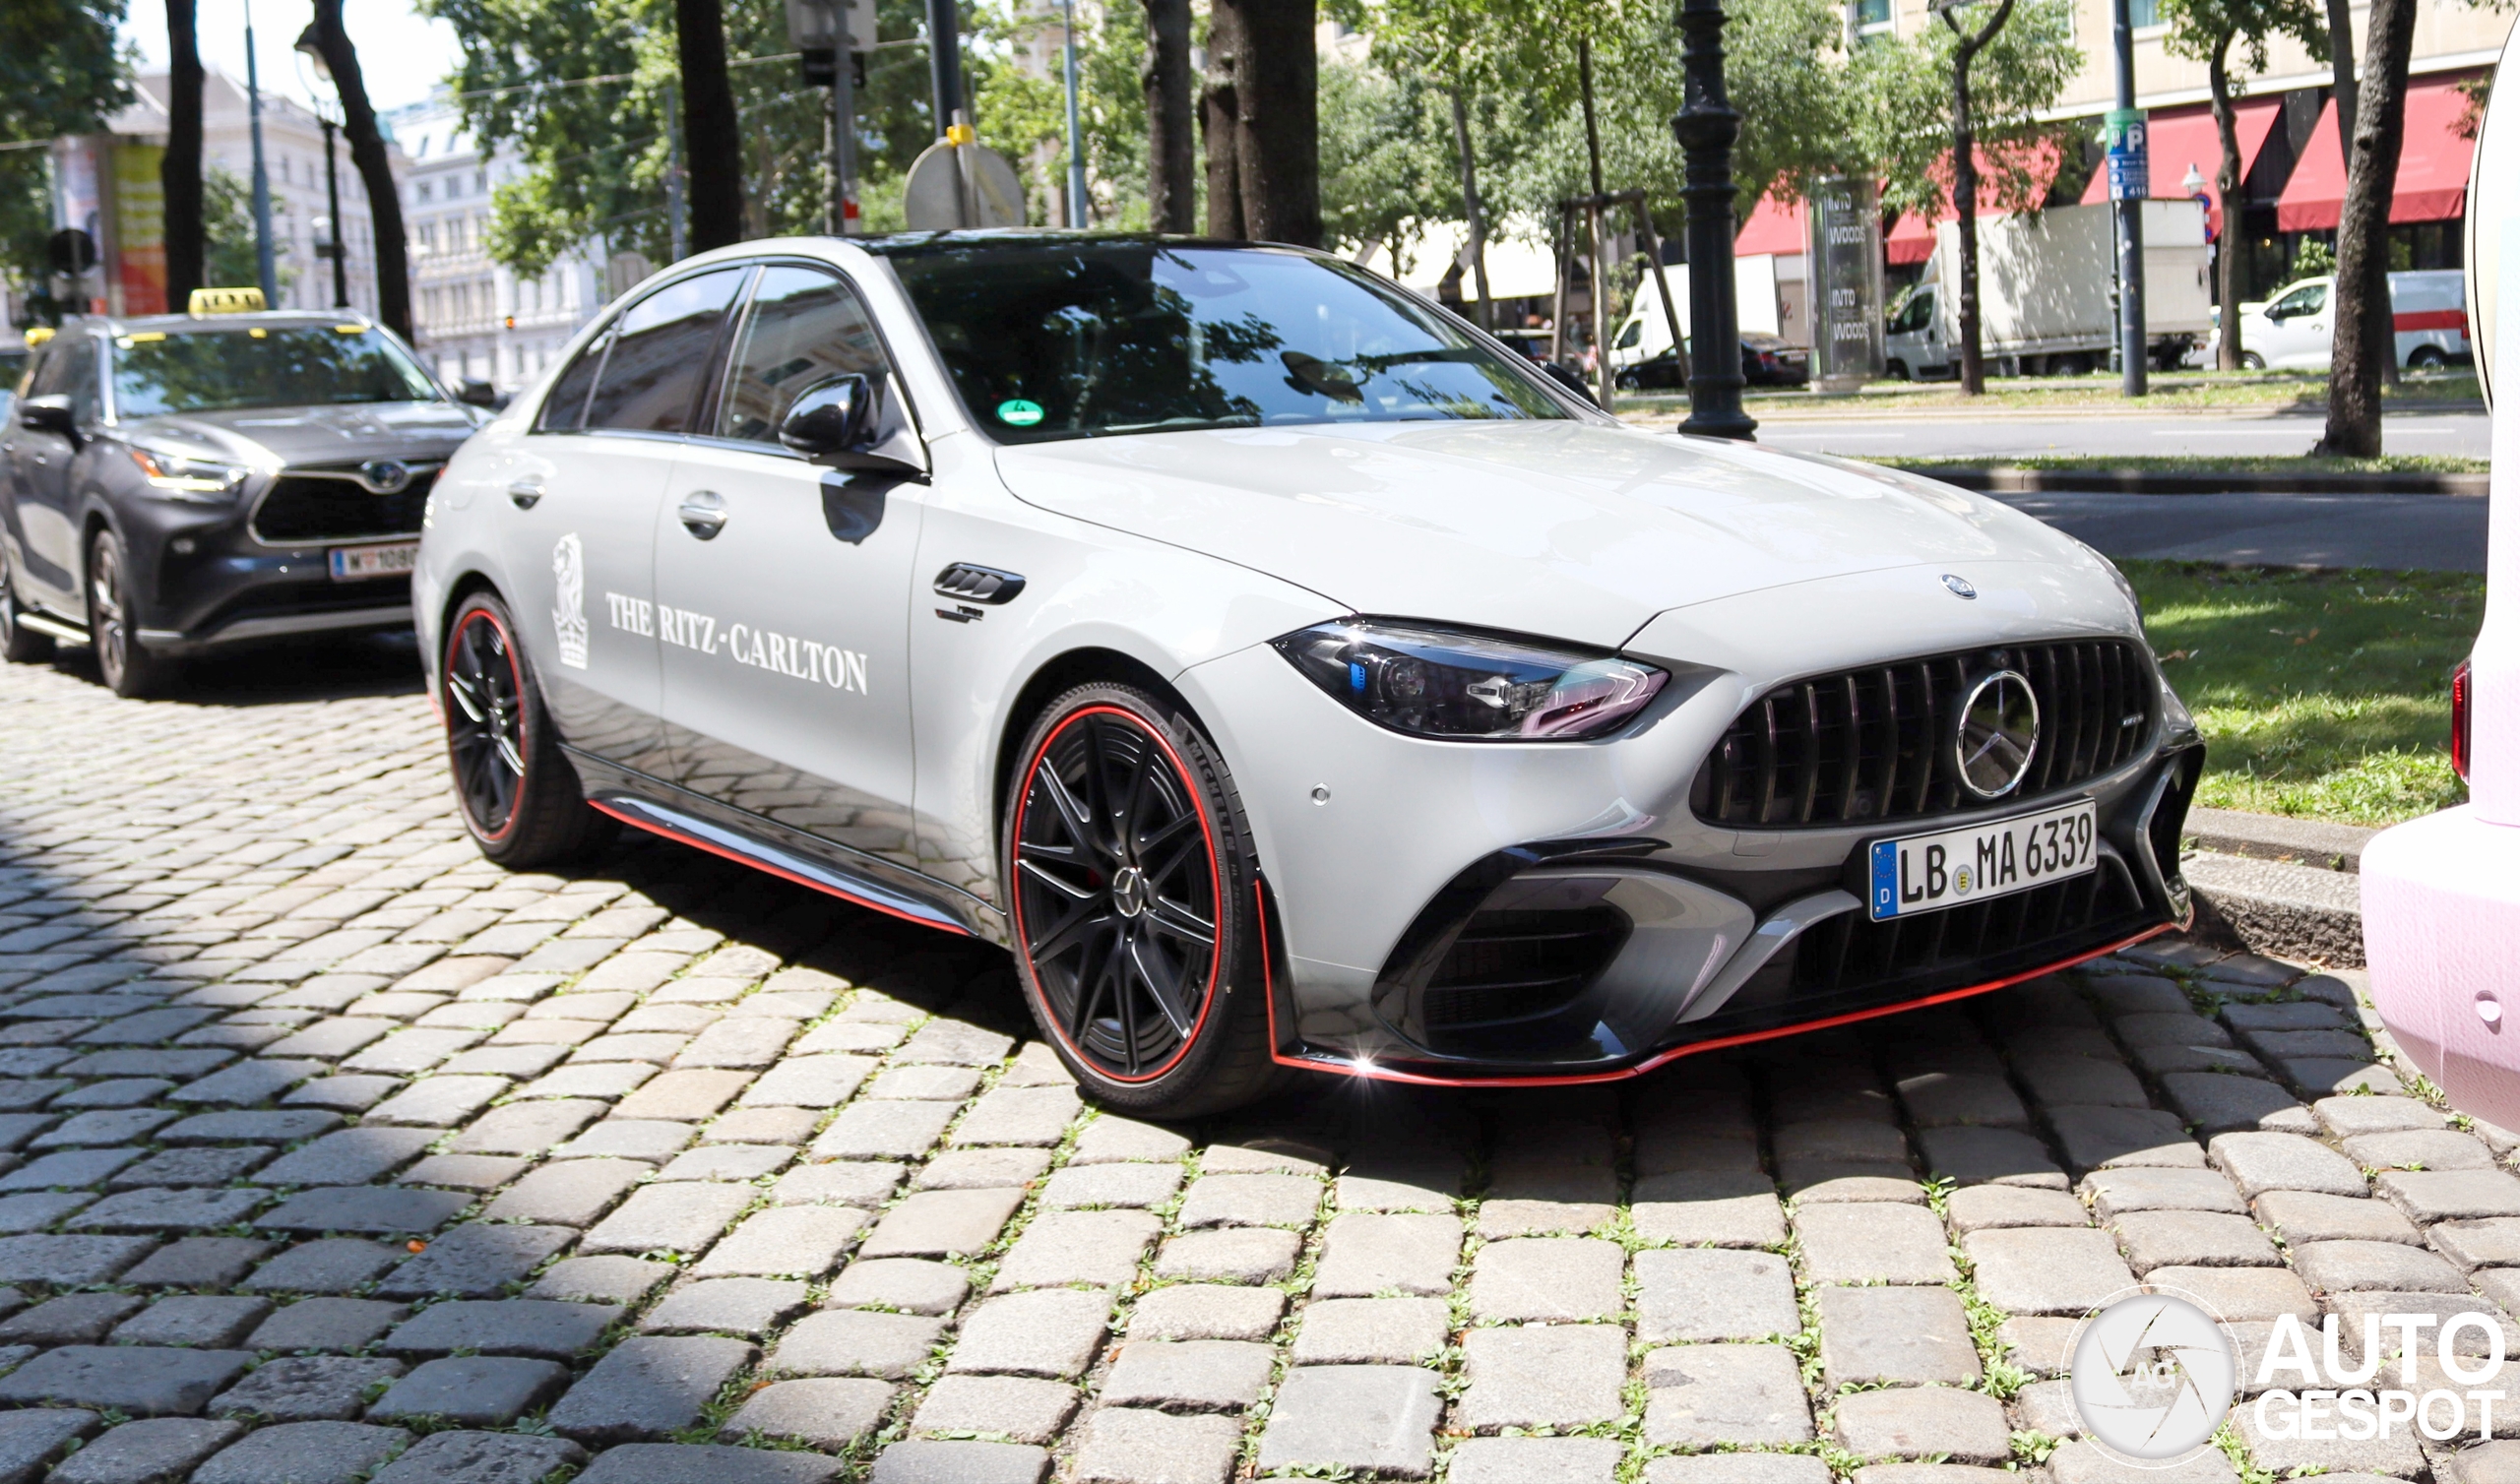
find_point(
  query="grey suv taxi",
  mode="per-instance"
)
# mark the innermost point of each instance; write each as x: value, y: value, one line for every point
x: 176, y: 482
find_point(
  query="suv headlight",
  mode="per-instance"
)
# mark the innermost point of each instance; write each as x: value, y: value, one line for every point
x: 1465, y: 687
x: 181, y: 476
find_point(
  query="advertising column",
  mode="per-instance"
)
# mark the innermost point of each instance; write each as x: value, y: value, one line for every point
x: 1846, y: 283
x: 139, y: 263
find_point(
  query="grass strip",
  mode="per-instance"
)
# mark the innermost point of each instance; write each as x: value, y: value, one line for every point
x: 2322, y: 694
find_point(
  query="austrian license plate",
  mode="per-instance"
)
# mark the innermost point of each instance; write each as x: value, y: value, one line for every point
x: 1927, y: 872
x: 351, y: 563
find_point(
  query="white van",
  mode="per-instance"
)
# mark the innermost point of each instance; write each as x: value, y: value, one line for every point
x: 2295, y: 328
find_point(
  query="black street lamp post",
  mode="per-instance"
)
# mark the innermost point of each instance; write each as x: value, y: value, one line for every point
x: 333, y: 198
x: 1706, y: 126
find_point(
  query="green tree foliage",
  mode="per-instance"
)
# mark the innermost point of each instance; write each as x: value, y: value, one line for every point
x: 60, y: 73
x: 1388, y: 166
x: 227, y: 231
x: 2024, y: 69
x: 1023, y: 111
x: 597, y: 153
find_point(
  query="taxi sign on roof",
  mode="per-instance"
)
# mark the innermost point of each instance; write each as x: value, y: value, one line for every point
x: 226, y: 301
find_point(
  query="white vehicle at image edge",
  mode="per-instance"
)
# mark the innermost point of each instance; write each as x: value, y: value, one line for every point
x: 2295, y: 328
x: 1287, y: 675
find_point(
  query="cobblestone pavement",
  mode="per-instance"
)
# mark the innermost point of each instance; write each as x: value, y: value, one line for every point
x: 337, y: 1149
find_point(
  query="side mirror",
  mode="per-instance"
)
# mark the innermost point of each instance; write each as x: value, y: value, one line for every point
x: 835, y: 423
x: 48, y: 415
x: 479, y: 394
x: 1569, y: 380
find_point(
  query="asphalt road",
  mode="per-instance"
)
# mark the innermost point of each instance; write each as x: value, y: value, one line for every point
x: 2403, y: 533
x: 1937, y: 434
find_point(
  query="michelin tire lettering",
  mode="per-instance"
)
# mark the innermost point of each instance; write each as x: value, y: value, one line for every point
x: 798, y: 659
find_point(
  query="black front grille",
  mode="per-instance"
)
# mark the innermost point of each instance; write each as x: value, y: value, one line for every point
x: 1876, y: 744
x: 303, y: 508
x: 1516, y: 966
x: 1986, y: 938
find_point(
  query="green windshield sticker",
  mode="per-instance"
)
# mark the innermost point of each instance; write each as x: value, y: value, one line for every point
x: 1019, y: 413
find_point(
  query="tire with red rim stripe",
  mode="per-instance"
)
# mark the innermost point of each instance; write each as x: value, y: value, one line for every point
x: 1134, y: 901
x: 520, y: 798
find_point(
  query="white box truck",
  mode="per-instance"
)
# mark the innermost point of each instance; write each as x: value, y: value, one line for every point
x: 2048, y: 294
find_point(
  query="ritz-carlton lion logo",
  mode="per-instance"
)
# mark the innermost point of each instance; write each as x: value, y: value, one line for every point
x: 569, y: 599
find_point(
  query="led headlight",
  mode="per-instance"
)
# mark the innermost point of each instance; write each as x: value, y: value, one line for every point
x: 180, y: 477
x: 1465, y: 687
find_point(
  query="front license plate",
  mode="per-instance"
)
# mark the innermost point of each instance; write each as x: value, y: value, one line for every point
x: 351, y: 563
x: 1926, y: 873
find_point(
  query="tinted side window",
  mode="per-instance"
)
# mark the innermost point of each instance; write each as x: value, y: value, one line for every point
x: 661, y: 354
x: 804, y: 327
x: 565, y: 409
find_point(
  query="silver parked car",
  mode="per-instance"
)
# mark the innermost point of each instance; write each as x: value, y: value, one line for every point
x: 1289, y: 675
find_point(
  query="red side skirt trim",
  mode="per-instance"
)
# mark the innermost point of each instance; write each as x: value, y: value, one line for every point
x: 824, y: 887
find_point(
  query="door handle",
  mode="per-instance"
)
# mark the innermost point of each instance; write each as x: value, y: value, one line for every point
x: 525, y: 494
x: 703, y: 513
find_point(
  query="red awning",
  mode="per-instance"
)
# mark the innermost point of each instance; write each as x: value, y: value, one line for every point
x: 2185, y: 137
x: 1911, y: 240
x: 1774, y: 228
x: 2432, y: 168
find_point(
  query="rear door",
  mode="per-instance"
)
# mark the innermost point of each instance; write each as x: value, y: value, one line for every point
x: 579, y: 510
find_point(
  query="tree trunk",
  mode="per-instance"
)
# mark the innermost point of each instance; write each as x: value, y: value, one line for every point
x: 179, y: 173
x: 1220, y: 109
x: 375, y: 171
x: 713, y: 140
x: 1963, y: 199
x: 1278, y: 141
x: 2340, y: 52
x: 2227, y: 181
x: 1171, y: 145
x: 1964, y: 192
x: 1472, y: 214
x: 2365, y: 339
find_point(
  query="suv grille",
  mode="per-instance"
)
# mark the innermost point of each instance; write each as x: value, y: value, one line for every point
x: 1877, y: 744
x: 303, y: 508
x: 1514, y: 965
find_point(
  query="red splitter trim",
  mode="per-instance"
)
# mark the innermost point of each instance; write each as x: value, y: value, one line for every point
x: 1346, y: 1068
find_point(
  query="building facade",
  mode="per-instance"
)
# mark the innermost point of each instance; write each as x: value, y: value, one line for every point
x: 293, y: 157
x: 475, y: 319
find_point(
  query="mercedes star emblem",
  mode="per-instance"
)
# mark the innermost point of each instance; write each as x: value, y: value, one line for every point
x: 1997, y: 734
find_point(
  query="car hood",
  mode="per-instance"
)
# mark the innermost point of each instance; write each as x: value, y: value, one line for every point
x: 349, y: 433
x: 1568, y: 530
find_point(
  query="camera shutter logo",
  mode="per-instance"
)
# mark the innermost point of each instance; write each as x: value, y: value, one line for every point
x: 2152, y: 1377
x: 569, y: 599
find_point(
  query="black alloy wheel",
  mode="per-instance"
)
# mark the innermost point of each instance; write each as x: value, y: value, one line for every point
x: 485, y: 722
x: 1134, y: 903
x: 521, y: 799
x: 114, y: 627
x: 18, y: 645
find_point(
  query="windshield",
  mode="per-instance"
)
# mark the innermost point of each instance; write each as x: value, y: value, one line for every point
x: 1076, y: 339
x: 211, y: 370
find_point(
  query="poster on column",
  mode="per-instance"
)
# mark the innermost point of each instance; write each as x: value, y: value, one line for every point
x: 140, y: 228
